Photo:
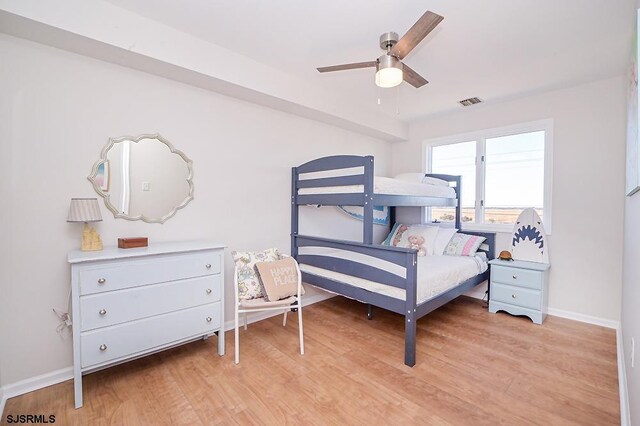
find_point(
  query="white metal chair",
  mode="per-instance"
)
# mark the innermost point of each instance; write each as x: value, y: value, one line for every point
x: 257, y: 305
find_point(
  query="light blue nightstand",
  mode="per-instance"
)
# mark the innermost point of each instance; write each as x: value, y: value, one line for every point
x: 519, y: 288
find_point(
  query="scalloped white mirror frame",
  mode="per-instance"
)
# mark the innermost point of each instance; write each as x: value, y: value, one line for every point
x: 106, y: 196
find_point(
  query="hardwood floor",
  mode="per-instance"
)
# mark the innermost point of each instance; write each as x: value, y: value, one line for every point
x: 473, y: 368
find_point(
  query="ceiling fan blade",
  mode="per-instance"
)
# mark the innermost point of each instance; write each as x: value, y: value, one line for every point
x: 412, y: 77
x: 348, y: 66
x: 419, y: 31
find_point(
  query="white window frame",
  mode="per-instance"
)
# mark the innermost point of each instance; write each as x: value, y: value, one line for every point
x: 480, y: 138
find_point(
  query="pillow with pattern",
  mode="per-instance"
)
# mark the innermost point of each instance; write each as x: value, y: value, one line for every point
x: 249, y: 286
x: 463, y: 245
x: 419, y: 237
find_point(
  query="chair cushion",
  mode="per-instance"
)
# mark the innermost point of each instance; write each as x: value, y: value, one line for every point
x: 279, y: 279
x: 248, y: 284
x: 262, y: 303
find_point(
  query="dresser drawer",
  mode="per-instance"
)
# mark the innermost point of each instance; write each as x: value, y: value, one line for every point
x: 516, y: 296
x: 516, y: 276
x: 127, y: 340
x: 115, y: 276
x: 115, y: 307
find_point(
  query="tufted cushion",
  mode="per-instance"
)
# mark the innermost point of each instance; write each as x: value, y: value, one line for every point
x: 248, y: 284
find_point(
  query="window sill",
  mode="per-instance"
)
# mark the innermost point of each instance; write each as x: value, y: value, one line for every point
x: 506, y: 229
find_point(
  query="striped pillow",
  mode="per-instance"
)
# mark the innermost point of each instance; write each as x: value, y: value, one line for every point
x: 463, y: 245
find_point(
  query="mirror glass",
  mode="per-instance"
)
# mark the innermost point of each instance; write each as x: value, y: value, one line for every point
x: 143, y: 178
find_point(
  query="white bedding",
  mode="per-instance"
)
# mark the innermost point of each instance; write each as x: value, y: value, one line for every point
x: 436, y: 274
x: 387, y: 186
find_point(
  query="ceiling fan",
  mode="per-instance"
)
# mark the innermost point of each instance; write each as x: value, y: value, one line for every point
x: 390, y: 71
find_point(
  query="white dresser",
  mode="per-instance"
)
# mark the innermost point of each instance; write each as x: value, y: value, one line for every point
x: 127, y: 303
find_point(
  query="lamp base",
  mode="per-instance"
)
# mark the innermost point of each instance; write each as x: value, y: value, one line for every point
x: 91, y: 240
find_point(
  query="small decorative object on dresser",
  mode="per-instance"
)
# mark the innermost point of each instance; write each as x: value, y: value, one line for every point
x: 126, y: 243
x: 86, y: 210
x: 130, y: 303
x: 519, y: 288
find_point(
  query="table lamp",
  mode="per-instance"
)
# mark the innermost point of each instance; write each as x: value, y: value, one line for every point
x: 86, y: 210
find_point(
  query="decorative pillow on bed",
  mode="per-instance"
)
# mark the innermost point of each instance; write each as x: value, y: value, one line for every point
x: 419, y: 237
x: 442, y: 239
x: 463, y: 245
x: 249, y: 286
x: 279, y: 279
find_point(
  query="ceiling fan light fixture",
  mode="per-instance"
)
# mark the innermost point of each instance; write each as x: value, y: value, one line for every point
x: 388, y: 71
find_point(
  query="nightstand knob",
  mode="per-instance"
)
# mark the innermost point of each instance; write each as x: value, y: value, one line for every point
x: 101, y: 280
x: 103, y: 347
x: 208, y: 291
x: 208, y: 266
x: 208, y: 319
x: 515, y: 277
x: 102, y: 311
x: 513, y: 296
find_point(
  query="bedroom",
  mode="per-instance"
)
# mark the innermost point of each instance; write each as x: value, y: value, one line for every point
x: 68, y: 87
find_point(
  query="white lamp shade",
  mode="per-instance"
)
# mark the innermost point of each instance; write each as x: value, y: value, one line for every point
x: 84, y: 210
x: 388, y: 77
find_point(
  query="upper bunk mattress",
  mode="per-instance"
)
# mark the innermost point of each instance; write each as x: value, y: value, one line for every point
x: 436, y: 274
x: 387, y: 186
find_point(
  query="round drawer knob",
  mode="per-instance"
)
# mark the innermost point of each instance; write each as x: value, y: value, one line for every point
x: 103, y: 347
x: 208, y: 266
x: 101, y: 280
x: 102, y: 311
x: 515, y: 277
x: 513, y: 296
x: 208, y: 291
x: 208, y: 319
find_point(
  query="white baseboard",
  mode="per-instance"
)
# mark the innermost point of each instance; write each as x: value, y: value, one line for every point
x: 35, y: 383
x: 625, y: 411
x: 584, y: 318
x: 3, y: 400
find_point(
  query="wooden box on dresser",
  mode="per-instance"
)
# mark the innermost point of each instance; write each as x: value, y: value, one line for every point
x: 520, y: 288
x: 127, y: 303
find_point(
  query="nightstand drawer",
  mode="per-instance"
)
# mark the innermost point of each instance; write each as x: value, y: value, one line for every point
x: 516, y: 276
x: 516, y: 296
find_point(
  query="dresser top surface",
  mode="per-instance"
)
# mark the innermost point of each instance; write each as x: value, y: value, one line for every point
x: 521, y: 264
x: 109, y: 253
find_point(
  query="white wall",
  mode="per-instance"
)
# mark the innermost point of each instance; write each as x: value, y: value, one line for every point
x: 588, y: 184
x: 59, y: 109
x: 631, y: 302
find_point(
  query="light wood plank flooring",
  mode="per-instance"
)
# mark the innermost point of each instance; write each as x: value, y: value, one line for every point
x: 473, y: 368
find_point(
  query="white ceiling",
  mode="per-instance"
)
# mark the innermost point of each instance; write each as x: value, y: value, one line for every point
x: 493, y: 49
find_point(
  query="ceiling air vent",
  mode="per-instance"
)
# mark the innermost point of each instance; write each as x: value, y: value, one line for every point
x: 469, y: 102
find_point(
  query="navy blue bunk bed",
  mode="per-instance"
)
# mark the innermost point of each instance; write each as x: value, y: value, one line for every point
x: 403, y: 257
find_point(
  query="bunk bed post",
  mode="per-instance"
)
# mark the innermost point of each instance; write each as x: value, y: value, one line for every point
x: 367, y: 222
x: 410, y: 310
x: 294, y: 212
x: 458, y: 180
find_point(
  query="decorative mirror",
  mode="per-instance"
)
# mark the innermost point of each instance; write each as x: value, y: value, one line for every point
x: 143, y: 178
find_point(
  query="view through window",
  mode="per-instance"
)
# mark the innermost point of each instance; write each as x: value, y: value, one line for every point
x: 501, y: 175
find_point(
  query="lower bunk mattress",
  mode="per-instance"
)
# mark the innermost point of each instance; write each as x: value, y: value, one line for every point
x: 435, y: 274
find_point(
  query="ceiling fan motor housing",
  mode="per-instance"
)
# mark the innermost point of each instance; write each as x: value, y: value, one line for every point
x: 387, y: 40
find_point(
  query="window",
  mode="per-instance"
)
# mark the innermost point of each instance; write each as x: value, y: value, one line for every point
x: 503, y: 171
